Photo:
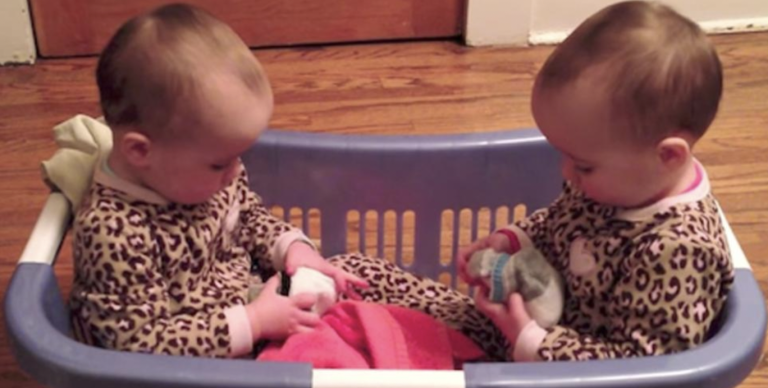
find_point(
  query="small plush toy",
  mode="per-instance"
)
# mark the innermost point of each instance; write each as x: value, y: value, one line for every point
x: 526, y: 272
x: 308, y: 280
x: 305, y: 280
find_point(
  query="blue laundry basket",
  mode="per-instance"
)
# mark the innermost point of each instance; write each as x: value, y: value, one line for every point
x: 333, y: 174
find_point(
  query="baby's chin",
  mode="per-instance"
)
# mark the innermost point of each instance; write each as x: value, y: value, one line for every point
x: 626, y: 203
x: 190, y: 198
x: 614, y: 202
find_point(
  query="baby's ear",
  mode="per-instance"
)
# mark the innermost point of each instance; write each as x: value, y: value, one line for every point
x: 135, y: 148
x: 674, y: 151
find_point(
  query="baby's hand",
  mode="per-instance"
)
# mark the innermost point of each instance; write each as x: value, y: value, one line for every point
x: 510, y: 318
x: 496, y: 241
x: 499, y: 243
x: 302, y: 255
x: 276, y: 317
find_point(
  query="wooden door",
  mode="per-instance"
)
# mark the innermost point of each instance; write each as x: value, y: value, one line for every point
x: 82, y: 27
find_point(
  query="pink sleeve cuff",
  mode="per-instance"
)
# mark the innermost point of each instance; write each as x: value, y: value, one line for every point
x: 523, y: 240
x: 241, y: 338
x: 528, y: 342
x: 283, y: 242
x: 514, y: 242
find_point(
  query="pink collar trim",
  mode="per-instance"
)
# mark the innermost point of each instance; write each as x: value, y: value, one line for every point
x: 699, y: 176
x: 105, y: 177
x: 698, y: 190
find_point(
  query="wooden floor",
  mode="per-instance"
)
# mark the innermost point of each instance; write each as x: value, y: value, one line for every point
x: 430, y: 87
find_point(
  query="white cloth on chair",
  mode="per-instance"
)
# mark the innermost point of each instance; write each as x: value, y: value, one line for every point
x: 82, y: 140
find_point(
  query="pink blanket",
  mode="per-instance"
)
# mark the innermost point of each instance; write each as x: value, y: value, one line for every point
x: 359, y: 335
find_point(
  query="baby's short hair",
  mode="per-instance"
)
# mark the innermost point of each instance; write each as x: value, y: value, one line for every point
x: 660, y: 71
x: 156, y: 61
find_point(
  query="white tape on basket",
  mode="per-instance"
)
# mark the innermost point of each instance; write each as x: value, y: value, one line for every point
x: 334, y: 378
x: 49, y: 230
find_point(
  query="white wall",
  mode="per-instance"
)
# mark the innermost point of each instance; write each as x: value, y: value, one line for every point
x: 549, y: 21
x: 17, y: 44
x: 491, y: 22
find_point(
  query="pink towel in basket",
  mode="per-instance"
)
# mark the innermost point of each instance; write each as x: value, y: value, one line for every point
x: 360, y: 335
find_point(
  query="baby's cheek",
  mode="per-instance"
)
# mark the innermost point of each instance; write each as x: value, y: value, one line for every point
x: 229, y: 176
x: 202, y: 189
x: 592, y: 191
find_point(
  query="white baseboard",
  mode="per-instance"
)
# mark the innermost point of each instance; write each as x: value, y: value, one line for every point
x: 735, y: 26
x: 547, y: 38
x: 17, y: 43
x: 494, y: 22
x: 712, y: 27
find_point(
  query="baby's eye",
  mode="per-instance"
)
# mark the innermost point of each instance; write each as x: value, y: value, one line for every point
x: 223, y: 166
x: 584, y: 169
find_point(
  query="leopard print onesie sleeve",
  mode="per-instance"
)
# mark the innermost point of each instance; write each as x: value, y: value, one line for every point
x: 158, y: 277
x: 638, y: 282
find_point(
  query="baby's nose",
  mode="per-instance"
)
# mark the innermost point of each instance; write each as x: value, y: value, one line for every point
x: 231, y: 174
x: 567, y: 169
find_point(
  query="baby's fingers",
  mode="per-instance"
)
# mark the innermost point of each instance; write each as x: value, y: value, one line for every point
x: 351, y: 293
x: 306, y: 318
x: 272, y: 284
x: 461, y: 261
x: 516, y: 308
x: 481, y: 244
x: 346, y: 283
x: 304, y: 301
x: 354, y: 281
x: 490, y: 309
x: 302, y: 329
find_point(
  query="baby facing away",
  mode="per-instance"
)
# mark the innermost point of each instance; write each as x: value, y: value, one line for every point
x: 174, y: 254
